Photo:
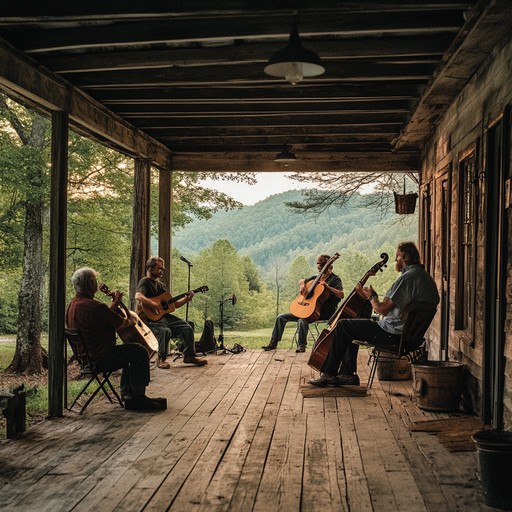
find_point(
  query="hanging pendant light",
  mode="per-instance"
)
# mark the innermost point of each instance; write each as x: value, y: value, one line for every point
x: 294, y: 62
x: 285, y: 156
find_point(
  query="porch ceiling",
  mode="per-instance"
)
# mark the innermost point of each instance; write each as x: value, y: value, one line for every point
x: 190, y: 74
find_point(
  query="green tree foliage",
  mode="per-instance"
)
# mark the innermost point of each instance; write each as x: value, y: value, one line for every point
x: 226, y: 273
x: 99, y: 221
x: 299, y: 269
x: 252, y: 274
x: 25, y: 199
x: 221, y: 268
x: 269, y: 230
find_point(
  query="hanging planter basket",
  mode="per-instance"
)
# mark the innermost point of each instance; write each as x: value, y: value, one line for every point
x: 405, y: 204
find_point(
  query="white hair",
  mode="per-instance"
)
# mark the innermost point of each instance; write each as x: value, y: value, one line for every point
x: 82, y: 279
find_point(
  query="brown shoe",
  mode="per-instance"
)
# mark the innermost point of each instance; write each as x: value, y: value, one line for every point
x: 162, y: 364
x: 271, y: 346
x: 195, y: 360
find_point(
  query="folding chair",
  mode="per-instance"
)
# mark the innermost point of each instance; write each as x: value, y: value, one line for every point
x: 81, y: 355
x: 418, y: 316
x: 313, y: 332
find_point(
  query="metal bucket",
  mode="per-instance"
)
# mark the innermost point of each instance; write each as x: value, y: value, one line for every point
x: 437, y: 385
x: 394, y: 369
x: 494, y: 459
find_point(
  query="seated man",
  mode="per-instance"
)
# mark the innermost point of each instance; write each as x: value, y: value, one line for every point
x: 98, y: 323
x: 168, y: 325
x: 413, y: 284
x: 332, y: 283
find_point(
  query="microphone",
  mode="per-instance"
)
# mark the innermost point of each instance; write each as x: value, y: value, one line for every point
x: 233, y: 299
x: 182, y: 258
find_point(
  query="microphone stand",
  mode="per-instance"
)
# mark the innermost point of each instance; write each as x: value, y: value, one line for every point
x: 221, y: 347
x: 188, y: 288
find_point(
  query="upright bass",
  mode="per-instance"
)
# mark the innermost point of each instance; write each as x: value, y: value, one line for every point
x: 309, y: 304
x: 354, y: 306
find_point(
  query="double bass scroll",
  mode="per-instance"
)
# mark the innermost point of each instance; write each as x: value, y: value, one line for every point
x: 354, y: 306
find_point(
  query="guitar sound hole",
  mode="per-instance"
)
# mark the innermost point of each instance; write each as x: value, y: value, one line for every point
x: 164, y: 304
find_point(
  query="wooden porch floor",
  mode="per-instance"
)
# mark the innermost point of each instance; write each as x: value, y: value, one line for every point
x: 238, y: 435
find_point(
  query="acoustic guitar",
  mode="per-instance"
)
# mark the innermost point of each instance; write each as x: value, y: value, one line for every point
x: 354, y: 306
x: 139, y: 332
x: 166, y: 304
x: 309, y: 305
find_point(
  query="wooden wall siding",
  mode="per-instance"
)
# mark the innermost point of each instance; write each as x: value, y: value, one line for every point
x: 463, y: 126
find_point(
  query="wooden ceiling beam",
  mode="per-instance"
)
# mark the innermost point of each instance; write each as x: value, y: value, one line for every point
x: 251, y: 52
x: 276, y: 93
x: 264, y: 162
x: 349, y: 119
x: 272, y: 131
x: 232, y: 108
x: 35, y: 11
x: 26, y: 80
x: 119, y: 33
x: 351, y: 71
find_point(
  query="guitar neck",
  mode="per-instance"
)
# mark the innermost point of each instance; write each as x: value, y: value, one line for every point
x: 174, y: 299
x: 180, y: 296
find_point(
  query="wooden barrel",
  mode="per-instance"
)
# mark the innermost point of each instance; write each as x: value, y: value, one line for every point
x: 437, y: 385
x: 394, y: 369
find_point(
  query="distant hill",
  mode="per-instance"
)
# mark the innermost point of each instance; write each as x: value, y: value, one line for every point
x: 270, y: 228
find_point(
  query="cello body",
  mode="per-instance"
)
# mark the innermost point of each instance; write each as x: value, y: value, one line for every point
x: 354, y: 306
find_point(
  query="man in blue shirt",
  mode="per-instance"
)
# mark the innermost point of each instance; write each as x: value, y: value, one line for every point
x: 414, y: 284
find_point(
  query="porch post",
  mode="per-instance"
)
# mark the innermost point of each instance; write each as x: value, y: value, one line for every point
x: 165, y: 222
x: 58, y: 227
x: 141, y: 228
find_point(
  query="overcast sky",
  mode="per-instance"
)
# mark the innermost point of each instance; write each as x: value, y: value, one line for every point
x: 269, y: 183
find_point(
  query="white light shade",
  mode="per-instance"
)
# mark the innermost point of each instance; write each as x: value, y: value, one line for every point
x: 294, y: 62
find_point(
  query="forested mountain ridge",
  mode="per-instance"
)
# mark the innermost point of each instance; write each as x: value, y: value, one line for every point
x: 270, y: 229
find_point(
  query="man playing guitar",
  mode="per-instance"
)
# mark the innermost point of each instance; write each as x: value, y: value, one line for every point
x: 168, y: 325
x: 331, y: 283
x: 98, y: 324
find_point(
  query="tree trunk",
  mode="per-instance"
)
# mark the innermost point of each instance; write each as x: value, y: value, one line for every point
x: 29, y: 357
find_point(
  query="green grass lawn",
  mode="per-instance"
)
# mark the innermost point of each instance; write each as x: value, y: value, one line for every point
x: 256, y: 338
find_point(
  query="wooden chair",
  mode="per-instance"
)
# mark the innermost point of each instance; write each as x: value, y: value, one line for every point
x: 81, y: 355
x: 418, y: 316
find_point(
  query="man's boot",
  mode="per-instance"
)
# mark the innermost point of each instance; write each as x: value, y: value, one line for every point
x: 271, y: 346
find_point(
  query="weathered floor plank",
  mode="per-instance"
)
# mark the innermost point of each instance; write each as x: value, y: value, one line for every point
x: 240, y: 435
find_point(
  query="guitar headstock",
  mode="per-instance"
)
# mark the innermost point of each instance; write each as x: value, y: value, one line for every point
x: 334, y: 257
x: 104, y: 288
x: 202, y: 289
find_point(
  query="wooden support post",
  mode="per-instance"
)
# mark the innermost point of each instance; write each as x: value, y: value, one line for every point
x: 141, y: 229
x: 58, y: 228
x: 165, y: 222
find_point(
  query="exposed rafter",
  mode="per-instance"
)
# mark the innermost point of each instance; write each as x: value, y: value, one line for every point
x: 188, y: 78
